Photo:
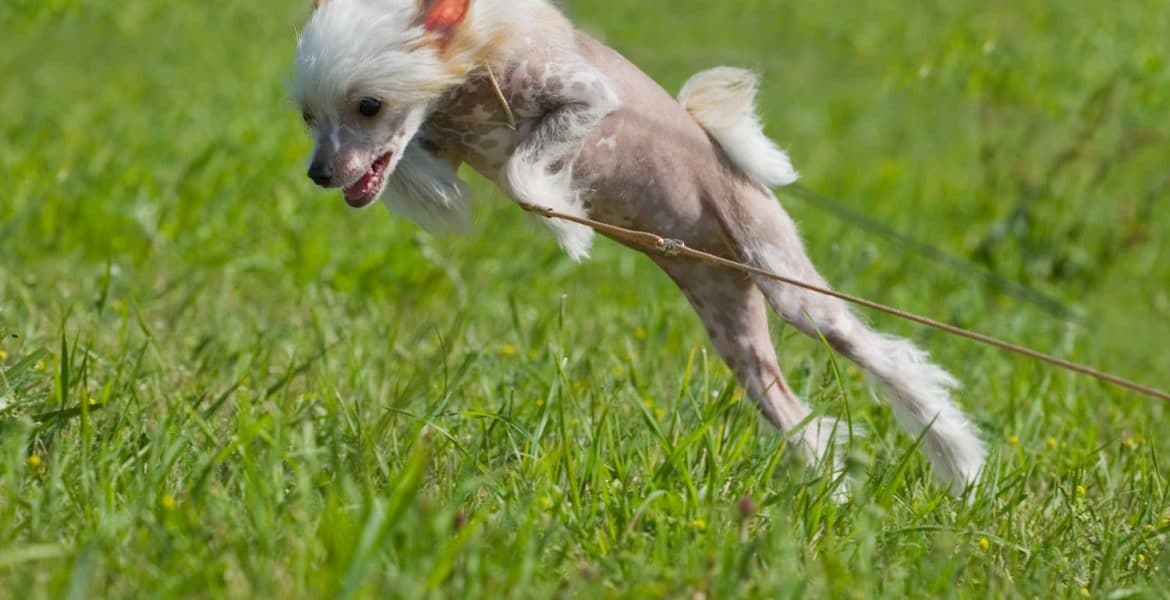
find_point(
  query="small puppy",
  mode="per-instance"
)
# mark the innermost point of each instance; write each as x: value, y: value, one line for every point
x: 400, y: 93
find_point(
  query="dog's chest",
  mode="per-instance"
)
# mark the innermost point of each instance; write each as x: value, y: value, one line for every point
x: 482, y: 121
x: 472, y: 126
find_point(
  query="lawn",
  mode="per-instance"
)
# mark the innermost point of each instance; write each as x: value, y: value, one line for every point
x: 219, y: 381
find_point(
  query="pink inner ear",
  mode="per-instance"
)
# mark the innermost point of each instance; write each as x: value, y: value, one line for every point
x: 445, y: 15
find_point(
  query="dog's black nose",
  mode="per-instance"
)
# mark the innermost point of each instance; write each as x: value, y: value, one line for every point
x: 321, y: 173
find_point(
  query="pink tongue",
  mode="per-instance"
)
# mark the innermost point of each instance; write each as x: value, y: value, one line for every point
x: 362, y: 192
x: 363, y: 188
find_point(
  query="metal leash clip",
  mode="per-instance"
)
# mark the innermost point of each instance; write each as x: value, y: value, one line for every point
x: 671, y: 246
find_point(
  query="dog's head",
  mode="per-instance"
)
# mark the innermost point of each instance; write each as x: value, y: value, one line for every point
x: 367, y: 75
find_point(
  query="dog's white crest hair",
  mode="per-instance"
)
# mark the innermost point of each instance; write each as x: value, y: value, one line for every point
x: 380, y: 46
x: 722, y: 100
x: 375, y: 46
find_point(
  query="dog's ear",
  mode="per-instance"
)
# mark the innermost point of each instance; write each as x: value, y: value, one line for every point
x: 318, y: 4
x: 441, y: 17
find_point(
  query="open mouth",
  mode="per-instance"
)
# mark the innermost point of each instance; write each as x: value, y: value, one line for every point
x: 366, y: 189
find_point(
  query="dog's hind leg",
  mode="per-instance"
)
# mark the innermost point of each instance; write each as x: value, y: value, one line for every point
x: 920, y: 390
x: 736, y: 318
x: 721, y: 100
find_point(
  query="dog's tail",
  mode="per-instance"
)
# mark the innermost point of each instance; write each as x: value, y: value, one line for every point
x: 722, y: 100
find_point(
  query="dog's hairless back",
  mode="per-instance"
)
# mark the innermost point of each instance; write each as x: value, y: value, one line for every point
x: 647, y: 164
x: 662, y: 169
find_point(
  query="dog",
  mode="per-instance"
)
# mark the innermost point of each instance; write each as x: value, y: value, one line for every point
x: 398, y: 94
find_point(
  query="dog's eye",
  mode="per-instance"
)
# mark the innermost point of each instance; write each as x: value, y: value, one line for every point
x: 307, y: 118
x: 369, y: 107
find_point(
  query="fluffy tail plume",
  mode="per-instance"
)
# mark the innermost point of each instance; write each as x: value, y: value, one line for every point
x: 722, y: 100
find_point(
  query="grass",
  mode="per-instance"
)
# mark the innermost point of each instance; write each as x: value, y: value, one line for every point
x: 217, y: 381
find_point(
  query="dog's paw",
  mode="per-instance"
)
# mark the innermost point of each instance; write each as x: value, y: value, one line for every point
x: 824, y: 442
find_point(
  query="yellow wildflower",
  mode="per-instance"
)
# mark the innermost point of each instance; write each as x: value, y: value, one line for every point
x: 1014, y: 440
x: 3, y: 355
x: 639, y: 334
x: 1081, y: 491
x: 984, y: 544
x: 168, y: 502
x: 34, y: 461
x: 699, y: 524
x: 507, y: 350
x: 546, y: 502
x: 1052, y: 443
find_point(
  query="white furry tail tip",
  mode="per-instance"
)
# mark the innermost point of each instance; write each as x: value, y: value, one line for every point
x: 722, y: 100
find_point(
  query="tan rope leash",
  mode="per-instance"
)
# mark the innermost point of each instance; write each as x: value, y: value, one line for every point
x: 503, y: 100
x: 674, y: 247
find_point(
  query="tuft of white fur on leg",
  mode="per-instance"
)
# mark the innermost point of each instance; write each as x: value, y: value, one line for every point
x: 722, y: 100
x: 919, y: 390
x: 531, y: 183
x: 576, y: 240
x: 822, y: 437
x: 824, y: 442
x: 425, y: 189
x: 921, y: 400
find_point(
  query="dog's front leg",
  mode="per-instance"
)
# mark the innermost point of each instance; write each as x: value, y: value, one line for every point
x: 540, y: 170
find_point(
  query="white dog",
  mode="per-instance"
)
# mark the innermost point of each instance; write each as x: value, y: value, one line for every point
x: 400, y: 93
